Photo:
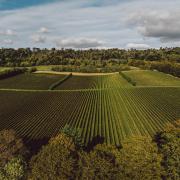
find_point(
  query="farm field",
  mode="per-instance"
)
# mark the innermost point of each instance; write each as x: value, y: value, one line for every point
x: 106, y: 106
x: 30, y: 81
x: 94, y: 82
x: 113, y: 114
x: 152, y: 78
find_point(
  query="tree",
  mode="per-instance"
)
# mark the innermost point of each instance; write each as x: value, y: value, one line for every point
x: 56, y: 160
x: 139, y: 159
x: 75, y: 134
x: 15, y: 169
x: 99, y: 163
x: 10, y: 146
x: 169, y: 145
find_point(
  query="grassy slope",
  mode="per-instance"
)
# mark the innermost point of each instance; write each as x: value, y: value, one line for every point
x: 29, y: 81
x: 152, y: 78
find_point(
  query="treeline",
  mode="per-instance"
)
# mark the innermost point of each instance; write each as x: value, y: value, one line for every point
x: 11, y: 72
x: 65, y: 157
x: 15, y: 71
x: 90, y: 68
x: 95, y: 57
x: 163, y: 66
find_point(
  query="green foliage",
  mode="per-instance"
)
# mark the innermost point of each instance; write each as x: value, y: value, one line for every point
x: 168, y: 67
x: 56, y: 84
x: 169, y: 145
x: 10, y: 146
x: 55, y: 161
x: 75, y: 134
x: 15, y: 169
x: 32, y: 69
x: 128, y: 78
x: 11, y: 72
x: 99, y: 163
x: 139, y: 159
x: 91, y: 68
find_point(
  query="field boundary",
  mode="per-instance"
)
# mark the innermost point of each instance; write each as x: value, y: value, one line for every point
x: 58, y: 83
x: 75, y: 73
x: 127, y: 78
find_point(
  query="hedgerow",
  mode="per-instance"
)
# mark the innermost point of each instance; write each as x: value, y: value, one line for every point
x: 11, y: 72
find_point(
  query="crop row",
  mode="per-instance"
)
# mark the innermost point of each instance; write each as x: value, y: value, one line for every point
x: 111, y: 113
x: 94, y: 82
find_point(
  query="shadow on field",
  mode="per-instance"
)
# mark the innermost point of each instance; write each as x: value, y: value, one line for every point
x: 35, y: 145
x: 96, y: 140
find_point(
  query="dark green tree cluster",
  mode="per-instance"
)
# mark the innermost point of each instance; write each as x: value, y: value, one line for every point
x: 93, y: 57
x: 169, y: 145
x: 64, y: 157
x: 11, y: 72
x: 12, y: 156
x: 162, y: 66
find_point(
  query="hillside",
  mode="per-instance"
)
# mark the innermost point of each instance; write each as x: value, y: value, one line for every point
x: 106, y: 106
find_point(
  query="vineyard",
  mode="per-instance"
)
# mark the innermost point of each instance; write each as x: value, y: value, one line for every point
x: 30, y: 81
x: 94, y: 82
x: 106, y: 106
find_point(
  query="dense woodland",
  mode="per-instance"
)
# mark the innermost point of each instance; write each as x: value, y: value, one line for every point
x: 65, y: 157
x: 93, y: 60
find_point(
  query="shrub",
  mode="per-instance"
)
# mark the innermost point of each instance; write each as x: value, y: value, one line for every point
x: 75, y: 134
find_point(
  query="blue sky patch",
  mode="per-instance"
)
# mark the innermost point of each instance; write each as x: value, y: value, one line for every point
x: 16, y: 4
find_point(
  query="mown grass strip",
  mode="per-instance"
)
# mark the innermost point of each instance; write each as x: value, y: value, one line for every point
x: 56, y: 84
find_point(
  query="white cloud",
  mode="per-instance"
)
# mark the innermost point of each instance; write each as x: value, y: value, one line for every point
x: 116, y: 23
x: 157, y: 23
x: 137, y: 46
x: 44, y: 30
x: 8, y: 32
x: 38, y: 38
x: 8, y: 41
x: 78, y: 43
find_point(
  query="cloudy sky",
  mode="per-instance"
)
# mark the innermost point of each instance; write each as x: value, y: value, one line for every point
x: 137, y: 24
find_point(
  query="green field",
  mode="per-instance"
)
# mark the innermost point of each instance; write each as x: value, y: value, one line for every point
x: 152, y: 78
x: 30, y: 81
x: 107, y: 106
x: 94, y: 82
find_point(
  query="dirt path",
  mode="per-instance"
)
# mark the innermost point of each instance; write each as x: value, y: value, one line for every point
x: 74, y: 73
